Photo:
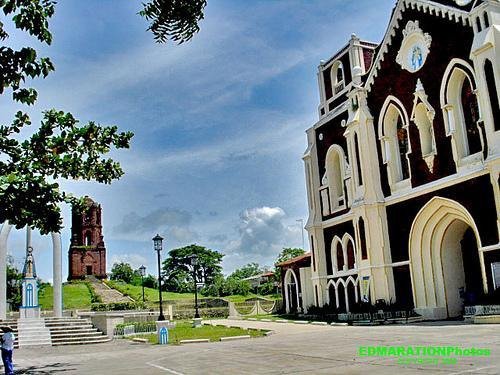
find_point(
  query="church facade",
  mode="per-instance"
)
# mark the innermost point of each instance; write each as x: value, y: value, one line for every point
x: 403, y: 165
x: 87, y: 252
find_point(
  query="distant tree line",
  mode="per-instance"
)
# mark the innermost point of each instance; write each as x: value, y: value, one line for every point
x: 178, y: 273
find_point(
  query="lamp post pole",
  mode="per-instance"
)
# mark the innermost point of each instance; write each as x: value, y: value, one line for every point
x: 157, y: 241
x: 142, y: 271
x: 194, y: 263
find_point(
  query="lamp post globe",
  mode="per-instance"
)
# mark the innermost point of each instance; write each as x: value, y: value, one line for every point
x: 158, y: 246
x: 142, y: 272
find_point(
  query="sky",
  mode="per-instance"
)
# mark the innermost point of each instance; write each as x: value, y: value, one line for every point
x: 219, y: 122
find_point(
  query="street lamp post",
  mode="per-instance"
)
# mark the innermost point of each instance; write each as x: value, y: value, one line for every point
x: 157, y: 242
x: 194, y: 263
x: 142, y: 271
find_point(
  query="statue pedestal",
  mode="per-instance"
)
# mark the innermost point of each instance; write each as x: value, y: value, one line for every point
x: 29, y: 312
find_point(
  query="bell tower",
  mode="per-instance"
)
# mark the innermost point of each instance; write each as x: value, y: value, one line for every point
x: 87, y: 252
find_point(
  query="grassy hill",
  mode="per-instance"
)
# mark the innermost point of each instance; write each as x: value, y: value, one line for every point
x: 150, y: 295
x: 75, y: 296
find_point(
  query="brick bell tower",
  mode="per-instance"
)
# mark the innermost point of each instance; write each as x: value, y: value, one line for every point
x: 87, y: 253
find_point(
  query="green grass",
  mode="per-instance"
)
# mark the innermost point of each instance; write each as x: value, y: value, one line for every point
x: 150, y: 295
x: 185, y: 331
x: 75, y: 296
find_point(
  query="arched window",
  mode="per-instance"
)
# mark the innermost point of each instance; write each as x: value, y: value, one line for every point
x: 478, y: 25
x: 359, y: 174
x: 88, y: 239
x: 393, y: 134
x: 335, y: 176
x: 337, y: 77
x: 362, y: 237
x: 340, y: 257
x: 461, y: 110
x: 492, y: 92
x: 29, y: 296
x: 471, y: 116
x: 351, y: 256
x: 486, y: 20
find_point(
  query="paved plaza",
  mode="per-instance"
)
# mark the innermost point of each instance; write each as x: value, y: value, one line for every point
x: 292, y: 349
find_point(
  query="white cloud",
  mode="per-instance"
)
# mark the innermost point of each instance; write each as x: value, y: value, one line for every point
x: 135, y: 260
x: 262, y: 233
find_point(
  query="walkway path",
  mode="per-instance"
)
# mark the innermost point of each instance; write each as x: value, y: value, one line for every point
x: 107, y: 294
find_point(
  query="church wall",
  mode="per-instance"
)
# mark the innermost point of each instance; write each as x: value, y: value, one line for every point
x: 392, y: 79
x: 475, y: 195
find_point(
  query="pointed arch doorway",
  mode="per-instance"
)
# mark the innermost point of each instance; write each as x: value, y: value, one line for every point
x: 291, y: 292
x: 445, y: 262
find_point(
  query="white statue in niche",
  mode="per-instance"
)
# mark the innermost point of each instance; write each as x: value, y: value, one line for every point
x: 415, y: 47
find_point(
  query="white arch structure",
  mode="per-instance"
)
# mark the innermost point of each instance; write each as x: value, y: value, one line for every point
x: 434, y: 252
x: 57, y: 271
x: 344, y: 242
x: 289, y: 276
x: 345, y: 283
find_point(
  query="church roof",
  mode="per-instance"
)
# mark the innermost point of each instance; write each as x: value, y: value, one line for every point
x: 448, y: 9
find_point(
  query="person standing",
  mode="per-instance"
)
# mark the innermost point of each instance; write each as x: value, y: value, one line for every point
x: 8, y: 339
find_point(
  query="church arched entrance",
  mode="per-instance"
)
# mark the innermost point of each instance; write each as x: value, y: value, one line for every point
x: 444, y: 259
x: 291, y: 292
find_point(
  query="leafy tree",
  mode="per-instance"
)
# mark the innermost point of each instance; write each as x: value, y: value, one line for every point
x: 59, y: 148
x: 14, y: 277
x: 122, y: 271
x: 267, y: 288
x: 289, y: 253
x: 234, y: 286
x: 249, y: 270
x: 150, y: 282
x: 286, y: 254
x: 178, y: 270
x: 216, y: 288
x: 173, y: 19
x: 221, y: 287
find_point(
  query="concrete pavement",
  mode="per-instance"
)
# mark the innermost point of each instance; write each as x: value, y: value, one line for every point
x: 293, y: 349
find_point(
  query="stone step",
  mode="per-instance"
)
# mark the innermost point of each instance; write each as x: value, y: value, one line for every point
x: 72, y: 328
x: 35, y: 341
x: 81, y: 334
x: 83, y: 342
x: 69, y: 324
x: 79, y: 340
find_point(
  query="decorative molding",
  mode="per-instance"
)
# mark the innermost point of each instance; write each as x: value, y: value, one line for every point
x: 430, y: 7
x: 415, y: 47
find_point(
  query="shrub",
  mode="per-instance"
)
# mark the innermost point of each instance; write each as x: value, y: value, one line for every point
x: 94, y: 298
x: 118, y: 306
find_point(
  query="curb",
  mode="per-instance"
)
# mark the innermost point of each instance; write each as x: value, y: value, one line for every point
x: 232, y: 338
x: 194, y: 341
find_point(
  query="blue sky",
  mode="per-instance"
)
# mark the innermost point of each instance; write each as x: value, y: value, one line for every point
x: 219, y: 122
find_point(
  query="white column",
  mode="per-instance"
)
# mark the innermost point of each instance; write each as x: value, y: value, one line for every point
x: 57, y: 273
x: 4, y: 235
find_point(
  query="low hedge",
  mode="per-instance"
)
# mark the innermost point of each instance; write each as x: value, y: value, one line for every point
x: 216, y: 312
x: 117, y: 306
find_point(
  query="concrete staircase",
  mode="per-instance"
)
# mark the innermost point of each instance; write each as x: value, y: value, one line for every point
x: 105, y: 293
x: 74, y: 331
x: 33, y: 332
